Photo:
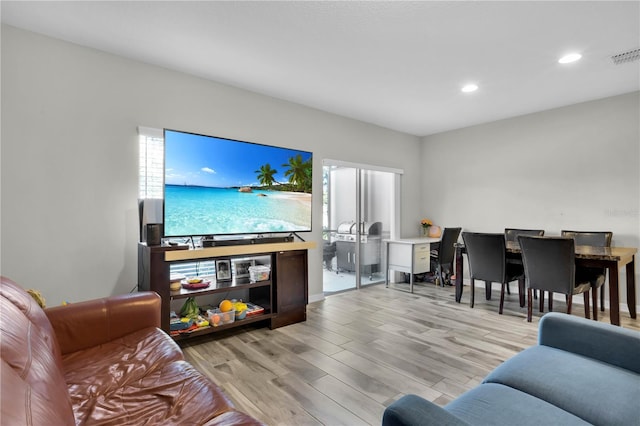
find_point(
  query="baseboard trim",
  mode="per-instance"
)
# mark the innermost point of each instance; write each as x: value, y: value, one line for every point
x: 559, y: 297
x: 316, y: 298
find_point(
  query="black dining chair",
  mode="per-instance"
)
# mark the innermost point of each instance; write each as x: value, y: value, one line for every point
x: 511, y: 235
x: 596, y: 276
x: 487, y: 256
x: 442, y: 258
x: 550, y: 265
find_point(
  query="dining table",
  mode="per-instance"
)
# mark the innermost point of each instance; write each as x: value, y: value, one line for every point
x: 611, y: 258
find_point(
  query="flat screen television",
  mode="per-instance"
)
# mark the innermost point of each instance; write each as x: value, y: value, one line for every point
x: 216, y: 186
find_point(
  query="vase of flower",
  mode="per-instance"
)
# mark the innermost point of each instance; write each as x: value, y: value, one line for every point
x: 425, y: 224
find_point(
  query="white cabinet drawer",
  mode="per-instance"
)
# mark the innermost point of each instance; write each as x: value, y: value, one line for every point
x: 421, y: 262
x: 422, y: 247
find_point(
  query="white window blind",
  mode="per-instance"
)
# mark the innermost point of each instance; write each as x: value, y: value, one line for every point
x: 151, y: 178
x: 194, y: 269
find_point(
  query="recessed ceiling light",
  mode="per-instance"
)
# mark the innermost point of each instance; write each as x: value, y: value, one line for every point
x: 469, y: 88
x: 571, y: 57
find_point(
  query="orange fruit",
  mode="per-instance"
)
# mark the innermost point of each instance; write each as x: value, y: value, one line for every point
x: 215, y: 319
x: 225, y: 306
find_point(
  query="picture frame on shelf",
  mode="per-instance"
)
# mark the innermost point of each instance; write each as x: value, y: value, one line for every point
x: 223, y: 270
x: 242, y: 267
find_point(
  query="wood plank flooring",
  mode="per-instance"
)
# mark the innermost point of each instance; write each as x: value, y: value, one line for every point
x: 360, y: 350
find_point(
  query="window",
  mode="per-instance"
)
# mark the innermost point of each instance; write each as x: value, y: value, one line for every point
x: 151, y: 177
x: 151, y: 192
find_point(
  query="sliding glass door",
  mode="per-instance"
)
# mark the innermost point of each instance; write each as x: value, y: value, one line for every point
x: 358, y: 207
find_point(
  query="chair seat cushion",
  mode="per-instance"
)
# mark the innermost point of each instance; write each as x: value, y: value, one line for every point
x: 141, y: 378
x: 121, y: 361
x: 580, y: 385
x: 514, y: 271
x: 594, y: 276
x: 496, y: 404
x: 175, y: 394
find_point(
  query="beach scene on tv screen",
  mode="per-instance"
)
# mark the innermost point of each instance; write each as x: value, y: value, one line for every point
x: 216, y: 186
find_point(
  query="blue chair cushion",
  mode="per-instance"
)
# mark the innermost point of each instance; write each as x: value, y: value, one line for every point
x: 595, y: 391
x: 495, y: 404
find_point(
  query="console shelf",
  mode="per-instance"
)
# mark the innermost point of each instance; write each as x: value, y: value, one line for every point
x: 235, y: 324
x: 217, y: 288
x: 284, y: 296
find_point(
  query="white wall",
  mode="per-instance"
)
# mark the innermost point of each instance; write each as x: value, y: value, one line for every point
x: 575, y: 167
x: 70, y: 159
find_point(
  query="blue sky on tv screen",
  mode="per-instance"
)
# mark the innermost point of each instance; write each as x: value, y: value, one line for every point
x: 215, y: 162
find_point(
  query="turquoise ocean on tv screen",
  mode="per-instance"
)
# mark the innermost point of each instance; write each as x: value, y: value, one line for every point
x: 195, y: 210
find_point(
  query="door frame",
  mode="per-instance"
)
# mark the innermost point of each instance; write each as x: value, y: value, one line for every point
x: 394, y: 225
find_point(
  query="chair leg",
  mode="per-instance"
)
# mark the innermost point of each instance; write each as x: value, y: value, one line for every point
x: 550, y: 301
x: 541, y: 300
x: 529, y: 305
x: 587, y: 310
x: 487, y: 289
x: 473, y: 292
x: 594, y: 296
x: 502, y: 297
x: 602, y: 298
x: 521, y: 284
x: 508, y: 289
x: 569, y: 300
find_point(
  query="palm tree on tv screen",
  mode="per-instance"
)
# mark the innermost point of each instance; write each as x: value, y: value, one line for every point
x: 299, y: 173
x: 265, y: 175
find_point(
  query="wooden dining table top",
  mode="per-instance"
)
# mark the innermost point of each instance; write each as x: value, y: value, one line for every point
x: 589, y: 252
x: 582, y: 252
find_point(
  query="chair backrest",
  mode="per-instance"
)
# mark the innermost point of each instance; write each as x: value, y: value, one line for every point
x: 487, y: 256
x: 589, y: 238
x: 549, y: 263
x: 511, y: 234
x: 447, y: 251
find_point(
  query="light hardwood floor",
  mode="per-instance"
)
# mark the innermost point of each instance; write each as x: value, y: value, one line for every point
x: 359, y: 351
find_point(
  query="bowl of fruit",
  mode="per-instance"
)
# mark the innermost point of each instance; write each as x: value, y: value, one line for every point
x: 240, y: 308
x: 223, y: 314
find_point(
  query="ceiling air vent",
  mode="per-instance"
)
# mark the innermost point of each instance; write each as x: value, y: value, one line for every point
x: 630, y: 56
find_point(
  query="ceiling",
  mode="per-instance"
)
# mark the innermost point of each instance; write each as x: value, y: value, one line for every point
x: 397, y: 64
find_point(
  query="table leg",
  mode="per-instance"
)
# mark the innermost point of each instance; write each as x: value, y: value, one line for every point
x: 459, y: 272
x: 614, y: 301
x: 631, y: 287
x: 386, y: 277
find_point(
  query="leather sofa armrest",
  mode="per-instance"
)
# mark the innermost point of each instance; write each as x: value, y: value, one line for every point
x: 412, y: 410
x: 604, y: 342
x: 86, y: 324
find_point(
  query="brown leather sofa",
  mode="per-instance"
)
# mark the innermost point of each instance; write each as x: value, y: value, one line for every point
x: 103, y: 361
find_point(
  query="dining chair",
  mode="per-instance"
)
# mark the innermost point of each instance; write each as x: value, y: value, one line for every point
x: 442, y: 258
x: 487, y: 256
x: 550, y: 265
x: 511, y: 234
x: 596, y: 276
